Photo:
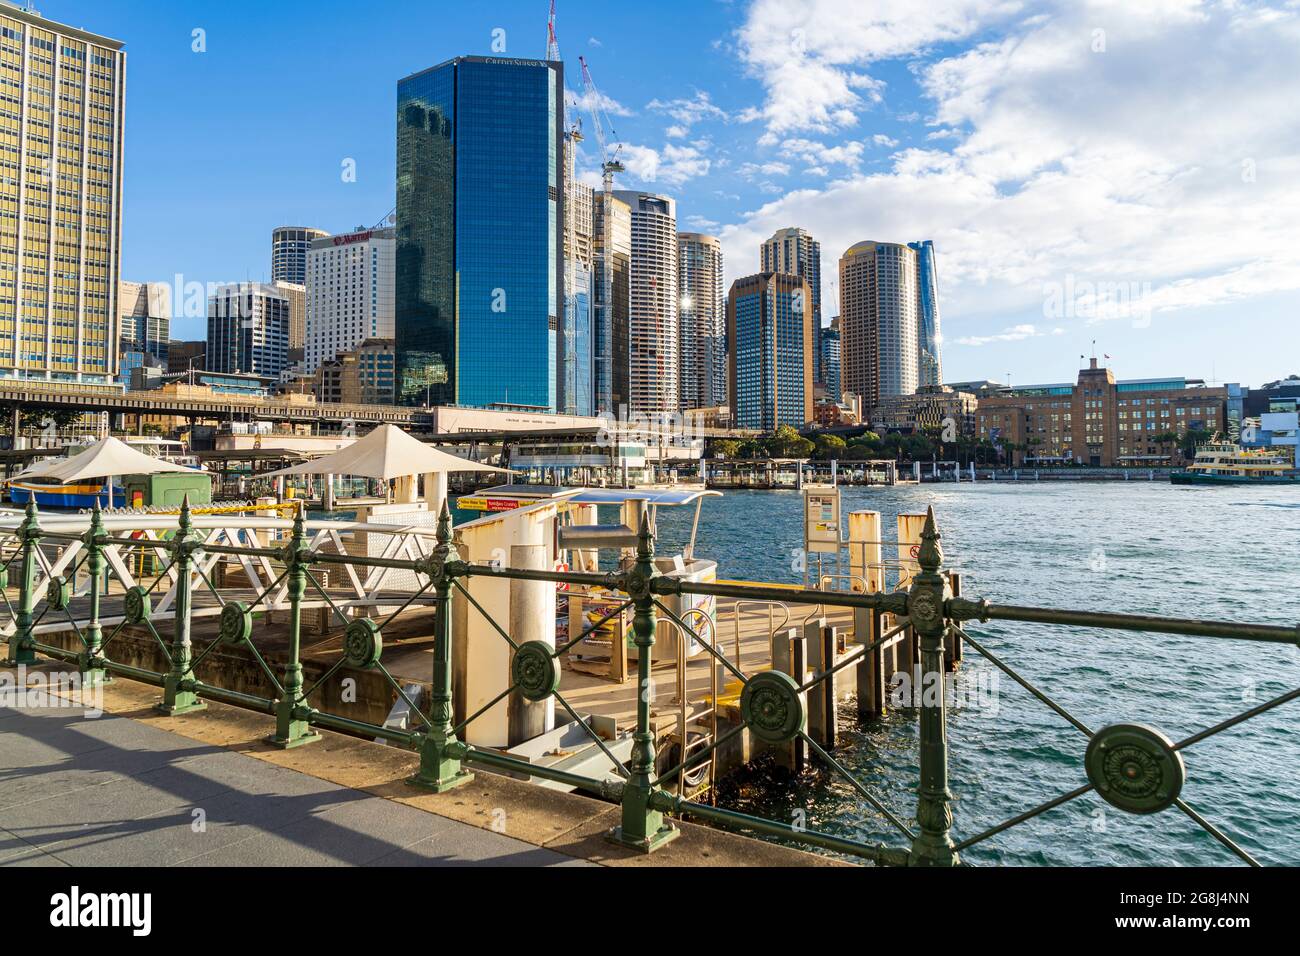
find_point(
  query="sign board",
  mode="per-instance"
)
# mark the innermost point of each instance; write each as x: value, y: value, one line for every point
x: 488, y: 504
x: 821, y: 532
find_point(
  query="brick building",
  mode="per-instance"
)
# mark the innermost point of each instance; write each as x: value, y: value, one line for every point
x: 1100, y: 420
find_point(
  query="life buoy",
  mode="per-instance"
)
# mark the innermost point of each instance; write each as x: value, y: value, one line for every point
x: 561, y: 567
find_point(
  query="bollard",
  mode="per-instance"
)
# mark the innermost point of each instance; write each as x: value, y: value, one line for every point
x: 439, y: 770
x: 92, y: 663
x: 20, y: 642
x: 642, y: 828
x: 933, y: 845
x: 290, y: 729
x: 178, y: 695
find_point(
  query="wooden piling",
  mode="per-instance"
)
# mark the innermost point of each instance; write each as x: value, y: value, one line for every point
x: 952, y: 641
x: 871, y: 669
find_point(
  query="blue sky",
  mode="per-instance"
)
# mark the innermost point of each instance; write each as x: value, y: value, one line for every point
x: 1094, y: 170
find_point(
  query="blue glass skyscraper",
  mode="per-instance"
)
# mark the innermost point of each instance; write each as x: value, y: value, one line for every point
x: 929, y: 360
x: 480, y: 194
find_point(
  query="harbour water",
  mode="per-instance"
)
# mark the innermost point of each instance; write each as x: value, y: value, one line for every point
x: 1141, y: 547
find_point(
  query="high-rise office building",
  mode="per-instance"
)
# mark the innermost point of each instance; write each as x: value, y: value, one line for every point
x: 652, y: 315
x: 794, y: 252
x: 829, y: 350
x: 611, y: 281
x: 702, y: 321
x: 929, y: 357
x: 576, y: 386
x: 350, y: 282
x: 289, y: 245
x: 144, y: 324
x: 248, y: 329
x: 297, y: 296
x: 769, y: 351
x: 480, y: 233
x: 879, y: 335
x: 61, y: 127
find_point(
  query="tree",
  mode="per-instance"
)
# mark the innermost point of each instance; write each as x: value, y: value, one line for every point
x: 725, y: 448
x: 829, y: 447
x: 785, y: 442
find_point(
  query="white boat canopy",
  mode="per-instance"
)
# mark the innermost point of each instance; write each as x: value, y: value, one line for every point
x: 107, y: 458
x: 386, y: 453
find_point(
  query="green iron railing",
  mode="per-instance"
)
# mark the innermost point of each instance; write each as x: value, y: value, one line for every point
x: 1132, y: 767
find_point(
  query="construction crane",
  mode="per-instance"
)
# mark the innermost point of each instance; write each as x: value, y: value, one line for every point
x: 609, y: 165
x: 552, y: 44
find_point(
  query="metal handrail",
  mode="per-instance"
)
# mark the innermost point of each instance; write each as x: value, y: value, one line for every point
x: 931, y: 611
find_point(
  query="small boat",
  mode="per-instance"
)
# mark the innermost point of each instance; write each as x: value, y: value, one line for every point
x: 1226, y: 463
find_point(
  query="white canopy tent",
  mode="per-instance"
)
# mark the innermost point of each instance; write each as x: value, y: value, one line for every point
x: 106, y: 458
x: 389, y: 454
x: 386, y: 453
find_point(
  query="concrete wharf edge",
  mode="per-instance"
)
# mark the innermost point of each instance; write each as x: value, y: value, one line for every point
x: 568, y: 824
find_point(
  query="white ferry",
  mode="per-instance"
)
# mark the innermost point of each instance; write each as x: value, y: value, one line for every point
x: 1225, y: 463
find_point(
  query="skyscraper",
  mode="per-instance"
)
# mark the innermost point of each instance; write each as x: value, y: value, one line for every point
x: 829, y: 350
x: 248, y: 329
x: 349, y: 293
x: 289, y: 245
x: 879, y: 336
x: 929, y: 357
x: 611, y: 351
x: 702, y: 321
x: 794, y: 252
x: 480, y: 233
x: 296, y: 293
x: 576, y: 384
x: 61, y: 188
x: 770, y: 348
x: 144, y: 323
x: 652, y: 316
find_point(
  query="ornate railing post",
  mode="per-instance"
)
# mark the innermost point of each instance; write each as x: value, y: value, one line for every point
x: 643, y: 827
x: 439, y: 771
x: 178, y: 697
x: 20, y: 642
x: 933, y: 845
x: 290, y: 730
x: 92, y: 664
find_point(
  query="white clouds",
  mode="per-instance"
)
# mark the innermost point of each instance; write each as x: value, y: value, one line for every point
x: 820, y: 155
x: 810, y: 55
x: 1014, y: 334
x: 583, y: 102
x: 688, y: 112
x: 753, y: 171
x: 1169, y: 159
x: 673, y: 165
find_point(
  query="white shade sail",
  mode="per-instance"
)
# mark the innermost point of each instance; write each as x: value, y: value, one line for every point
x: 104, y: 459
x: 387, y: 453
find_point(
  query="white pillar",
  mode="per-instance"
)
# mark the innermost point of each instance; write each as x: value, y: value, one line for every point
x: 435, y: 490
x: 532, y: 618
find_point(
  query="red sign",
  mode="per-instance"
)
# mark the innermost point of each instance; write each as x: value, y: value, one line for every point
x: 355, y: 237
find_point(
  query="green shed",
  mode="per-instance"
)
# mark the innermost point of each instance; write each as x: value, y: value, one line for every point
x: 167, y: 489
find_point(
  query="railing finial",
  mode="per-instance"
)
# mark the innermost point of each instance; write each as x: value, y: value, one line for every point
x: 184, y: 522
x: 930, y: 557
x: 444, y: 524
x: 645, y: 538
